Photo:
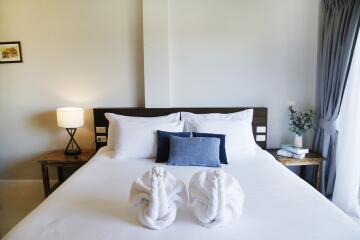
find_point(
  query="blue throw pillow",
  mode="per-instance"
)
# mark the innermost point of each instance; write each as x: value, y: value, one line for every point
x: 163, y: 147
x: 222, y: 150
x: 194, y: 152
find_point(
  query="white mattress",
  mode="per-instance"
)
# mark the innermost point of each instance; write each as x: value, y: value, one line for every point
x: 93, y: 204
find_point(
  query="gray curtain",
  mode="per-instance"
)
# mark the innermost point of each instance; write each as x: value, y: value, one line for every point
x: 339, y: 25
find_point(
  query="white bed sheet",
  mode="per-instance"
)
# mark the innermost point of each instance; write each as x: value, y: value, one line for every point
x: 93, y: 204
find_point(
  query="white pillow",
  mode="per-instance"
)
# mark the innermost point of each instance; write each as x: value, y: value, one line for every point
x: 236, y: 126
x: 112, y: 118
x: 137, y: 139
x: 239, y: 137
x: 246, y: 115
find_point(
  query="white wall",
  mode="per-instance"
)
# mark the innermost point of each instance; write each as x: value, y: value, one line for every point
x: 85, y: 53
x: 245, y: 53
x: 156, y: 53
x: 89, y: 53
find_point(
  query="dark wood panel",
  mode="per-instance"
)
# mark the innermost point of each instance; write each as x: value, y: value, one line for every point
x: 259, y: 119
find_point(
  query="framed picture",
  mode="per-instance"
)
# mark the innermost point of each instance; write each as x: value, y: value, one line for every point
x: 10, y: 52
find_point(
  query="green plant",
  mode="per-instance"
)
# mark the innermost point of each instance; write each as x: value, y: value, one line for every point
x: 300, y: 122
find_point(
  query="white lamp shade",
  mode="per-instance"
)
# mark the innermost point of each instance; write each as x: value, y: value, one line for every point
x: 70, y: 117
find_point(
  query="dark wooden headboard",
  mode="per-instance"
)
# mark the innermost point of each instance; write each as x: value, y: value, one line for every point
x: 101, y: 123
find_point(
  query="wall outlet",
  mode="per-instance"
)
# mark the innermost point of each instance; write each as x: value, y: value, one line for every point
x: 100, y: 130
x: 260, y: 138
x: 261, y: 129
x: 100, y: 138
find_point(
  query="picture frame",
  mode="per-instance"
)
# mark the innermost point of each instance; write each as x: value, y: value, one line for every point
x: 10, y: 52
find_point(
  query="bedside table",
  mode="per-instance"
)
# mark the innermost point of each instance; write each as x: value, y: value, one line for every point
x: 59, y: 160
x: 311, y: 158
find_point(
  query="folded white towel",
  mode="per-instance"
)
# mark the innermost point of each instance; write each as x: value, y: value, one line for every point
x: 217, y: 198
x: 158, y: 194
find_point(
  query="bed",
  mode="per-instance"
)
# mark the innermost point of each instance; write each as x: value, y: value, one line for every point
x: 93, y: 204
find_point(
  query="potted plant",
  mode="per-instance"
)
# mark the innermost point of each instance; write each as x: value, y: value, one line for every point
x: 300, y: 122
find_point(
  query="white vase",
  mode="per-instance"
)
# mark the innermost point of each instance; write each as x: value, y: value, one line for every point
x: 298, y: 141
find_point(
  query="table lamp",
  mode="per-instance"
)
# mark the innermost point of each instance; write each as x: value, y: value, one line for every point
x: 70, y: 118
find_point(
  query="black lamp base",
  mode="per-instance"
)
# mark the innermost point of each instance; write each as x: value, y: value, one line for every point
x: 72, y: 152
x: 72, y: 148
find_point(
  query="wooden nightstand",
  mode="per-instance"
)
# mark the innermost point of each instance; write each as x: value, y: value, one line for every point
x: 59, y: 160
x: 311, y: 158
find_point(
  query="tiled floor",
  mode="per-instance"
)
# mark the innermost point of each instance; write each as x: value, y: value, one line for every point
x: 17, y: 199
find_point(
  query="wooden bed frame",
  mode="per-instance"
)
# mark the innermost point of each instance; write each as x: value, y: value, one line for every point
x: 259, y: 123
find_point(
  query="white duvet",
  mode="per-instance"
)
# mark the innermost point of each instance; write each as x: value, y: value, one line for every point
x: 93, y: 204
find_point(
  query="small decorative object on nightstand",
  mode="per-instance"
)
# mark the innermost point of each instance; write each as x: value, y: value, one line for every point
x: 300, y: 122
x: 70, y: 118
x: 59, y: 160
x: 311, y: 158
